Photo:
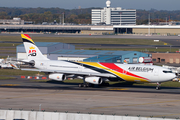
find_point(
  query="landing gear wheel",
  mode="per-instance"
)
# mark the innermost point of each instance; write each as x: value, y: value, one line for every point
x: 84, y: 85
x: 80, y: 85
x: 104, y: 84
x: 158, y: 86
x: 91, y: 85
x: 87, y: 84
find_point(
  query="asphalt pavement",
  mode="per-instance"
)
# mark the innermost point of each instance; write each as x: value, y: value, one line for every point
x: 67, y: 97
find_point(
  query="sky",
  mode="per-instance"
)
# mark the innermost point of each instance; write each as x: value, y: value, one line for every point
x: 72, y: 4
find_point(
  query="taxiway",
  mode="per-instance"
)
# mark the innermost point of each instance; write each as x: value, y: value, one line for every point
x: 113, y: 100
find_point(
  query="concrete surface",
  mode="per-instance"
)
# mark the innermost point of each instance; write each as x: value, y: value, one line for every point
x: 92, y: 101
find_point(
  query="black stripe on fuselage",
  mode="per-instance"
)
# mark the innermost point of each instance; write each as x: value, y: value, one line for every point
x: 25, y: 40
x: 94, y: 68
x: 90, y: 67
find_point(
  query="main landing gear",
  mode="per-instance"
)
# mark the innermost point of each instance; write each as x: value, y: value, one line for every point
x: 84, y: 84
x: 158, y: 86
x: 93, y: 85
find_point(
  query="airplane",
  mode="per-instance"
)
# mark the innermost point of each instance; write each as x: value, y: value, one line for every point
x: 93, y: 72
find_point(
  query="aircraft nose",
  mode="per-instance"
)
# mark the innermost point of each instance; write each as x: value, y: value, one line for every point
x: 172, y: 76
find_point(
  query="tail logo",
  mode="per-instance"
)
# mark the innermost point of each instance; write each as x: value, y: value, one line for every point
x: 32, y: 52
x: 125, y: 61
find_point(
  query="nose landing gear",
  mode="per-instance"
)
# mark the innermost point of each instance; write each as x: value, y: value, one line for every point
x: 158, y: 86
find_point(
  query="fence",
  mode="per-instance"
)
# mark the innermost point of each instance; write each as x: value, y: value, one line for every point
x: 40, y: 115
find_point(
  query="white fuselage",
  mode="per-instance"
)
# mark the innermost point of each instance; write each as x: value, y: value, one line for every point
x: 127, y: 72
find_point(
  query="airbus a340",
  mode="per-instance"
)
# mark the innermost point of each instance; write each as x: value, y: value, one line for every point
x: 93, y: 72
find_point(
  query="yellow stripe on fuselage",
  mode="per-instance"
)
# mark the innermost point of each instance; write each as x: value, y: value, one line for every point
x: 121, y: 75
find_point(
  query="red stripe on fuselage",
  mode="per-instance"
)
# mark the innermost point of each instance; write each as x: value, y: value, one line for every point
x: 120, y: 70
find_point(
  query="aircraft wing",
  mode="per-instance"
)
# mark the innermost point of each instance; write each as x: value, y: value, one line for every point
x: 74, y: 72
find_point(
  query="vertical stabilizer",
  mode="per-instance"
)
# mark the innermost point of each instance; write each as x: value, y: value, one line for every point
x: 32, y: 51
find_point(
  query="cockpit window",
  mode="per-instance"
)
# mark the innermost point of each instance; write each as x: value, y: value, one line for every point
x: 167, y: 71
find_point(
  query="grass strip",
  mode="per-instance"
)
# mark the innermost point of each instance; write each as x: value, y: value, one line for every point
x: 15, y: 72
x: 85, y: 40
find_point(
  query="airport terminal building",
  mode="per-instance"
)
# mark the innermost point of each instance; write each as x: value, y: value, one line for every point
x: 63, y: 51
x: 113, y: 16
x: 117, y: 20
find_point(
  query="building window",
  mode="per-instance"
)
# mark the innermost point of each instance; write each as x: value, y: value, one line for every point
x: 162, y: 60
x: 118, y: 60
x: 115, y: 13
x: 154, y: 60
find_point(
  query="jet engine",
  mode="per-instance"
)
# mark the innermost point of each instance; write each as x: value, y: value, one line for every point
x: 94, y: 80
x: 57, y: 76
x: 32, y: 63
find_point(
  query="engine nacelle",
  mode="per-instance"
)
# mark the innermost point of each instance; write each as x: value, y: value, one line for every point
x: 58, y: 77
x: 94, y: 80
x: 32, y: 63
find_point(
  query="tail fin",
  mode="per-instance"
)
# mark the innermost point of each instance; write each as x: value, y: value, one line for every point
x: 13, y: 65
x: 32, y: 50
